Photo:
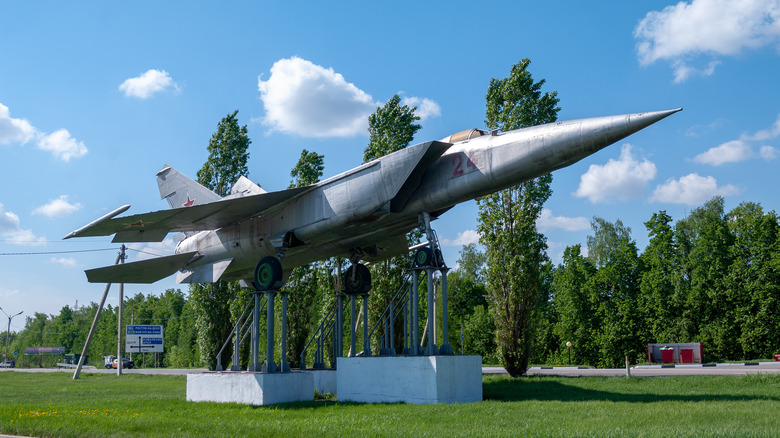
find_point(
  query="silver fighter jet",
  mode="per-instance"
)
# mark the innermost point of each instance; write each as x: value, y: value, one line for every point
x: 363, y: 213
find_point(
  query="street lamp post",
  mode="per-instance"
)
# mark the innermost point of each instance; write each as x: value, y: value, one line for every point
x: 568, y: 347
x: 8, y: 334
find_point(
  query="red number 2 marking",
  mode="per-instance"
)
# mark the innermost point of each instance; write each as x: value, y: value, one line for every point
x: 457, y: 161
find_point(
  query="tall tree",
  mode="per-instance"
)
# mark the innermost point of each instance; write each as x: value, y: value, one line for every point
x: 606, y: 238
x: 228, y: 155
x: 305, y: 282
x: 576, y: 305
x: 507, y: 222
x: 658, y: 302
x: 704, y: 240
x: 390, y: 128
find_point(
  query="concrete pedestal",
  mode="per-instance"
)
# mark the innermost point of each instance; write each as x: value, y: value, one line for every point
x: 324, y: 381
x: 410, y: 379
x: 250, y: 388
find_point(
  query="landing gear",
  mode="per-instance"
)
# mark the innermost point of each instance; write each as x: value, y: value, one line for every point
x: 357, y: 279
x: 425, y: 258
x: 268, y: 274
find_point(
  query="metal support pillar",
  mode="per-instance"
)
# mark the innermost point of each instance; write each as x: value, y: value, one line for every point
x: 430, y: 349
x: 283, y: 366
x: 446, y: 348
x: 269, y: 366
x: 119, y: 317
x: 338, y: 330
x: 352, y: 317
x: 254, y: 364
x: 391, y: 322
x: 366, y: 340
x: 414, y: 301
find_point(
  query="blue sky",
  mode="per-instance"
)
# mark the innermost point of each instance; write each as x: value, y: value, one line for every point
x: 96, y: 97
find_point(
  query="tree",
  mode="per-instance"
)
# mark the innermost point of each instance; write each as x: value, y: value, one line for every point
x: 704, y: 240
x: 507, y: 222
x: 305, y: 282
x: 390, y: 128
x: 658, y: 302
x: 576, y: 305
x: 606, y: 238
x: 228, y: 155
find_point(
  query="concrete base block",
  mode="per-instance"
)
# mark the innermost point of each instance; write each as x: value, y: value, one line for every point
x: 324, y: 381
x: 250, y: 388
x: 410, y: 379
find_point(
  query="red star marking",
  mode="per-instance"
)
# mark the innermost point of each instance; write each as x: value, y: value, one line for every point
x: 136, y: 224
x: 189, y: 201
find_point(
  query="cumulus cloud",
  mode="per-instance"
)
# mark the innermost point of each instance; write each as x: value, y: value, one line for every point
x: 7, y: 293
x: 62, y: 145
x: 12, y: 232
x: 548, y: 221
x: 464, y: 238
x: 303, y: 98
x: 729, y: 152
x: 147, y: 84
x: 684, y: 32
x: 426, y: 108
x: 68, y: 262
x: 691, y: 189
x: 59, y: 207
x: 621, y: 179
x: 14, y: 130
x: 740, y: 150
x: 768, y: 153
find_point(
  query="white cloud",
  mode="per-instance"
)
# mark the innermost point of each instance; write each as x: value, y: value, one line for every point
x: 57, y: 207
x: 14, y: 130
x: 622, y: 179
x: 153, y: 249
x: 691, y: 189
x: 681, y: 32
x: 426, y: 108
x: 547, y: 221
x: 768, y: 153
x: 740, y: 149
x: 309, y: 100
x: 729, y: 152
x: 12, y: 232
x: 62, y: 145
x: 7, y: 293
x: 464, y: 238
x: 68, y: 262
x: 147, y: 84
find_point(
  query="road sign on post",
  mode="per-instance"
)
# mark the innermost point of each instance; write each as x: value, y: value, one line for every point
x: 144, y: 339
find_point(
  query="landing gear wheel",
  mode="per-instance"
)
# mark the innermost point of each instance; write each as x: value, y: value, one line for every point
x: 357, y: 279
x: 423, y: 257
x: 268, y: 273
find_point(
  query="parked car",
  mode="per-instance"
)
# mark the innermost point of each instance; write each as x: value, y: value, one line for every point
x: 112, y: 362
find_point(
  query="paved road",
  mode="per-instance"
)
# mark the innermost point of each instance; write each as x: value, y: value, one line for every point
x: 637, y: 371
x: 652, y: 371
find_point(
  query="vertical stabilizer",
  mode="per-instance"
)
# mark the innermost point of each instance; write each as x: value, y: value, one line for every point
x: 181, y: 191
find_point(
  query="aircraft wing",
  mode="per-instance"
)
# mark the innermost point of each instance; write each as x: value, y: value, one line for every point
x: 154, y: 226
x: 145, y: 271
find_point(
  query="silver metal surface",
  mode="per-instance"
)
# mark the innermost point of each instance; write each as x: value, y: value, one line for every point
x: 366, y: 210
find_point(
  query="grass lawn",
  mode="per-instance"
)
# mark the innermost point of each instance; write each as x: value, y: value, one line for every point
x: 51, y: 404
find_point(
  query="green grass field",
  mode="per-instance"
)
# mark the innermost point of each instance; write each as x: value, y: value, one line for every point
x: 43, y: 404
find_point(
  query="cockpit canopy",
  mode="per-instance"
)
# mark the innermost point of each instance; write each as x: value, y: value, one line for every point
x: 464, y: 135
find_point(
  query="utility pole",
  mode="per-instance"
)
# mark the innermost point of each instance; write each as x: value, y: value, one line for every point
x: 119, y: 319
x: 94, y: 324
x: 8, y: 335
